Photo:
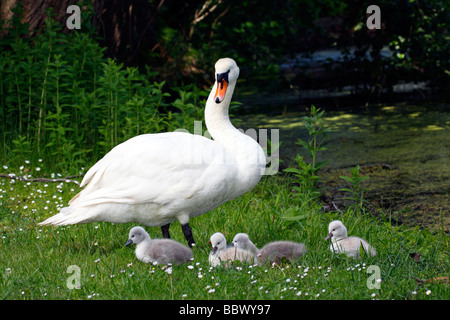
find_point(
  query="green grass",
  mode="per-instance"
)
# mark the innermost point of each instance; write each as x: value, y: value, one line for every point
x: 34, y: 259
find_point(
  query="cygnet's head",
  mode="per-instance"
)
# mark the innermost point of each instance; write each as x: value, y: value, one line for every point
x: 241, y: 240
x: 336, y: 230
x: 218, y: 242
x: 227, y: 72
x: 137, y: 235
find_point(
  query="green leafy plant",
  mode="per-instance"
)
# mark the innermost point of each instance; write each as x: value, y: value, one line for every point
x: 306, y: 193
x: 318, y: 134
x: 63, y: 102
x: 356, y: 190
x: 305, y: 174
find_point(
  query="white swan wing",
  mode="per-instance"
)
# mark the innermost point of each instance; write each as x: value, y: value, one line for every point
x: 159, y: 168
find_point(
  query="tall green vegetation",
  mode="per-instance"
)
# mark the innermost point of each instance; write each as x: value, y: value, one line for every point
x: 356, y: 190
x: 306, y: 176
x: 62, y: 101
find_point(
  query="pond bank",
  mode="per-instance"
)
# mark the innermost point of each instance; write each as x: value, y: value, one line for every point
x: 405, y: 149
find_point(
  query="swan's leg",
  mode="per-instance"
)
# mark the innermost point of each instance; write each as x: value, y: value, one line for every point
x: 165, y: 231
x: 187, y: 231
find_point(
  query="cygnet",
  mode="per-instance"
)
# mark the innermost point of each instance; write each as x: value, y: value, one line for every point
x: 273, y: 251
x: 158, y: 251
x: 221, y: 253
x: 242, y: 241
x: 342, y: 243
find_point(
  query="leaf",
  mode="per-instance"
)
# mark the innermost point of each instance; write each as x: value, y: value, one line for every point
x: 294, y: 218
x: 292, y: 170
x: 291, y: 214
x: 321, y: 164
x: 348, y: 179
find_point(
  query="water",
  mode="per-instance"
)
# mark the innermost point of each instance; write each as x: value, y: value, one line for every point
x: 405, y: 149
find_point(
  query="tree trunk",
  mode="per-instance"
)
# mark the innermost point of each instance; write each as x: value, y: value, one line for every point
x: 34, y: 11
x: 125, y: 27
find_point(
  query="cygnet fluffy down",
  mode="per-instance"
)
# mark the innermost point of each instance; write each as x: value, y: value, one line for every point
x: 242, y: 241
x: 273, y: 251
x: 342, y: 243
x: 223, y: 254
x: 158, y: 251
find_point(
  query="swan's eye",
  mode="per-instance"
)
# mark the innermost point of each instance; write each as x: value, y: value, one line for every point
x: 223, y: 76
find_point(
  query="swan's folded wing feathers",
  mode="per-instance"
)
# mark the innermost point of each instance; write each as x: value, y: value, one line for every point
x: 127, y: 174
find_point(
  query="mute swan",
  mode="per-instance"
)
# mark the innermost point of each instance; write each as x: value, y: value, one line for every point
x: 342, y: 243
x: 273, y: 251
x: 155, y: 179
x: 222, y: 253
x: 158, y: 251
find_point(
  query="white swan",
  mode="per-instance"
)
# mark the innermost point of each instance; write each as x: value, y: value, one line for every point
x: 158, y: 251
x: 223, y: 254
x: 342, y: 243
x: 154, y: 179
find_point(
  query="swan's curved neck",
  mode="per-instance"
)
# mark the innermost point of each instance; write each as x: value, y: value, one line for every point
x: 216, y: 115
x: 247, y: 153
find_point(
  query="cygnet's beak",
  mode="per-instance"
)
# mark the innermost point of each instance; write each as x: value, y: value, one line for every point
x: 329, y: 236
x: 231, y: 245
x: 128, y: 242
x: 214, y: 250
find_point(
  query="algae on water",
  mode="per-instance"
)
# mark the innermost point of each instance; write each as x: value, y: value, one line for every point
x: 405, y: 149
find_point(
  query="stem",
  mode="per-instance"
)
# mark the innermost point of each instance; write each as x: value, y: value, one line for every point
x: 20, y: 103
x: 29, y: 101
x: 111, y: 117
x: 137, y: 115
x: 2, y: 115
x: 116, y: 111
x: 59, y: 125
x: 314, y: 154
x: 42, y: 105
x: 58, y: 111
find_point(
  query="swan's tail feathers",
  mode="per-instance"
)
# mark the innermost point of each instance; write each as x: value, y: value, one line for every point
x: 66, y: 216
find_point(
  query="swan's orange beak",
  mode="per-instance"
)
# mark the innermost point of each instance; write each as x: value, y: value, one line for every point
x: 222, y: 85
x: 221, y: 90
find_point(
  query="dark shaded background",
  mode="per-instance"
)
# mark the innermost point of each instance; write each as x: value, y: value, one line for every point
x: 178, y: 39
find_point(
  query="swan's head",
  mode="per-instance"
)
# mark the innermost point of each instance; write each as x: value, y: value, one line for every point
x: 241, y: 240
x: 218, y: 242
x: 137, y: 235
x: 227, y: 72
x: 337, y: 230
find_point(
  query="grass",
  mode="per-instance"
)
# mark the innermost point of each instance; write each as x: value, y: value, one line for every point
x: 35, y: 259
